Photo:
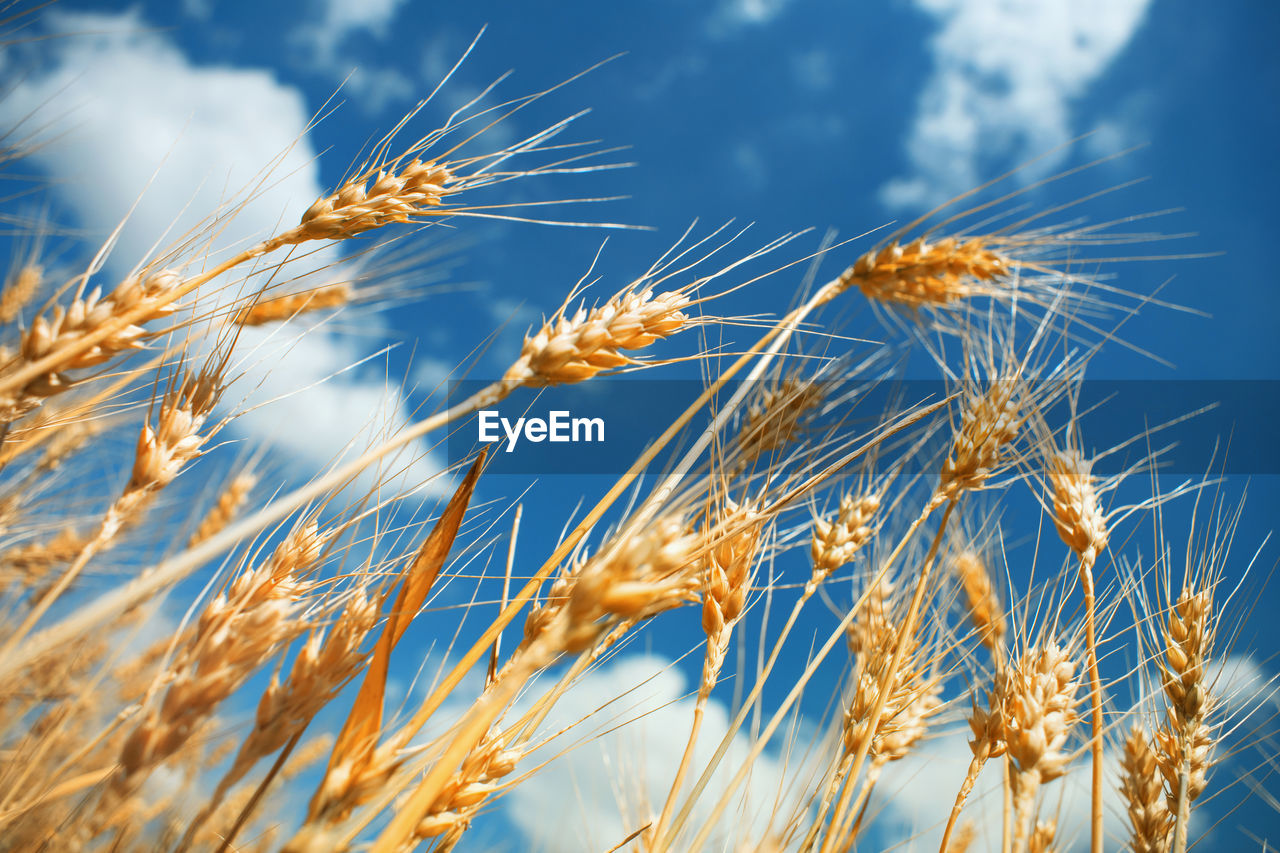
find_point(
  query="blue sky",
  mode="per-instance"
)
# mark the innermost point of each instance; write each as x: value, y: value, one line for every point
x: 788, y: 114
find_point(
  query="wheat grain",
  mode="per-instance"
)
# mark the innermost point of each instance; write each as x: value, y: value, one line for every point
x: 290, y: 305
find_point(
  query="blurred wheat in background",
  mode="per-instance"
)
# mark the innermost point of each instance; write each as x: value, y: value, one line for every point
x: 875, y: 584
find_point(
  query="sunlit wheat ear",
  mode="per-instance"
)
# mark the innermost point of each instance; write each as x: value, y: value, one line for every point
x: 19, y: 289
x: 774, y: 416
x: 730, y: 545
x: 1003, y: 385
x: 983, y: 605
x: 887, y: 711
x: 229, y: 503
x: 327, y: 661
x: 912, y: 695
x: 632, y: 580
x: 161, y: 452
x: 290, y: 305
x: 86, y: 314
x: 988, y: 728
x: 1039, y: 711
x: 1042, y: 837
x: 238, y: 631
x: 1184, y: 744
x: 1140, y: 785
x: 414, y: 187
x: 733, y: 545
x: 1080, y: 521
x: 478, y: 777
x: 990, y: 419
x: 836, y: 542
x: 398, y: 193
x: 924, y: 273
x: 571, y: 348
x: 1077, y: 515
x: 324, y: 664
x: 178, y: 436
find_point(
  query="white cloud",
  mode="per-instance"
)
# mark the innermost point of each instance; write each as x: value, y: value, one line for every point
x: 131, y: 119
x: 1243, y: 685
x: 374, y: 89
x: 681, y: 67
x: 735, y: 15
x: 750, y: 166
x: 920, y: 789
x: 336, y: 20
x: 1006, y: 73
x: 201, y: 10
x: 593, y: 796
x: 366, y: 83
x: 813, y: 69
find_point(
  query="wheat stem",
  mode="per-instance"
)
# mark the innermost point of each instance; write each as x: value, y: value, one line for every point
x: 1095, y: 707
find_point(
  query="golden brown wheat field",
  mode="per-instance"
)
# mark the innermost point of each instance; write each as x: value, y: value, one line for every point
x: 866, y: 553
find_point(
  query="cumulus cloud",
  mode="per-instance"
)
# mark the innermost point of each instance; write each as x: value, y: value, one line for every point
x: 138, y: 132
x: 1006, y: 75
x: 1243, y: 685
x: 920, y: 789
x: 594, y: 795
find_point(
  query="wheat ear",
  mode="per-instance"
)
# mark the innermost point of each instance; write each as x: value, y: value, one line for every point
x: 1143, y: 792
x: 983, y: 606
x: 1083, y: 527
x: 161, y: 453
x: 1185, y: 743
x: 922, y: 273
x: 290, y: 305
x: 1038, y: 714
x: 728, y: 572
x: 19, y: 289
x: 90, y: 331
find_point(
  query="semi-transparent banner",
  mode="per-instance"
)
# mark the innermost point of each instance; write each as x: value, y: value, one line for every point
x: 602, y: 426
